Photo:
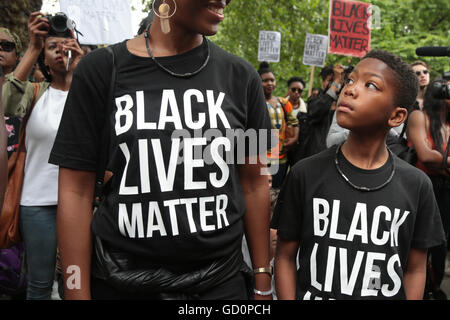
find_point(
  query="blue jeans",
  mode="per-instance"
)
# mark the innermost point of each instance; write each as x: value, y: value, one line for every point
x: 38, y: 229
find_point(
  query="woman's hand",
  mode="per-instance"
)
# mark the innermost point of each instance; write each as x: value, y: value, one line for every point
x: 338, y: 71
x: 76, y: 52
x: 38, y: 27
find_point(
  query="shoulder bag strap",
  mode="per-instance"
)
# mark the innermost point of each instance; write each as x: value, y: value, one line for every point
x: 105, y: 137
x: 21, y: 142
x: 402, y: 134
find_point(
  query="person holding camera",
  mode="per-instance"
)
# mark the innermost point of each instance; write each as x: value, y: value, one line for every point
x: 322, y: 108
x: 428, y: 132
x: 41, y: 105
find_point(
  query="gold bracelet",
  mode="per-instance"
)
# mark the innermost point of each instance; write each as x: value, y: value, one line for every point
x: 268, y: 270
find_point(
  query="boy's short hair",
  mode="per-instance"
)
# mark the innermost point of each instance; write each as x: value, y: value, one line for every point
x: 406, y: 83
x: 296, y: 79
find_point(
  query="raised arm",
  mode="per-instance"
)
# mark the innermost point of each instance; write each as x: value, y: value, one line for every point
x: 75, y: 196
x: 37, y: 30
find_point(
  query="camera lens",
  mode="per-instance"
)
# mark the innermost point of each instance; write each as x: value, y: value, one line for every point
x: 59, y: 24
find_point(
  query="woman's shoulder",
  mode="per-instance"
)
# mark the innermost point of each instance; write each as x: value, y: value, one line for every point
x: 417, y: 117
x: 100, y: 59
x: 227, y: 58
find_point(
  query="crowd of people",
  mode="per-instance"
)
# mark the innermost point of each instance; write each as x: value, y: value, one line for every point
x: 326, y: 210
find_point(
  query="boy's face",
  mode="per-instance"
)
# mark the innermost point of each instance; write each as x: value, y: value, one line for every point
x: 366, y: 102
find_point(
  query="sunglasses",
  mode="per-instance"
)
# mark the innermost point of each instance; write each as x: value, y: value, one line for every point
x: 296, y: 90
x: 7, y: 46
x: 425, y: 72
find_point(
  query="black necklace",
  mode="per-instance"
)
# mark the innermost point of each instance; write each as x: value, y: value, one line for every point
x: 336, y: 162
x: 178, y: 75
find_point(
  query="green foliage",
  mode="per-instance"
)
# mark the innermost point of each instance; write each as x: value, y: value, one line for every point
x: 405, y: 25
x: 409, y: 24
x: 14, y: 15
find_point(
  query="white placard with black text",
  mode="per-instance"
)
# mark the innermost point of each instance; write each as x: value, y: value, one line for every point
x: 315, y: 51
x: 269, y: 46
x: 100, y: 21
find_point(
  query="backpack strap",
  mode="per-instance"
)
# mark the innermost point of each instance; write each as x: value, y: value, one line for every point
x: 404, y: 129
x: 405, y: 126
x: 105, y: 137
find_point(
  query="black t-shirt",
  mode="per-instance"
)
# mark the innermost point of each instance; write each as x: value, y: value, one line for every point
x: 173, y: 199
x: 355, y: 244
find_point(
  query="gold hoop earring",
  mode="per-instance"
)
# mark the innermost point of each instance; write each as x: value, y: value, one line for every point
x: 163, y: 14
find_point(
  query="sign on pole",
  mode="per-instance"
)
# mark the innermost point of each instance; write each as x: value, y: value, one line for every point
x: 269, y: 46
x: 315, y: 51
x: 349, y: 31
x: 100, y: 21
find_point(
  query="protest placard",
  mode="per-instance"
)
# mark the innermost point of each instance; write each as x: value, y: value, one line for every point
x: 315, y: 51
x: 100, y: 21
x: 269, y: 46
x: 349, y: 32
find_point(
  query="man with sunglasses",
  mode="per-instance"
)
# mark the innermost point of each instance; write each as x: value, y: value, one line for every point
x: 421, y: 69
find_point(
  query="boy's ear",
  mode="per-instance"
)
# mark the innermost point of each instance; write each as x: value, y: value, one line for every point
x: 398, y: 116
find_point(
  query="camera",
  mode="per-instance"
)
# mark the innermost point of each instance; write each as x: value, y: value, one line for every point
x: 440, y: 89
x: 60, y: 24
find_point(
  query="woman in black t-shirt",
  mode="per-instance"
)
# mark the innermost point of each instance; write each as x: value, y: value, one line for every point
x: 174, y: 227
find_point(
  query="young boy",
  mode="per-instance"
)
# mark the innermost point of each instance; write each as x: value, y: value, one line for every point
x: 363, y: 218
